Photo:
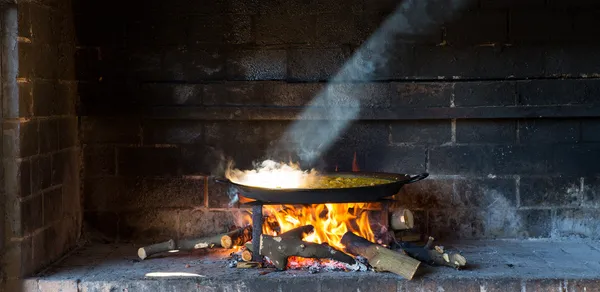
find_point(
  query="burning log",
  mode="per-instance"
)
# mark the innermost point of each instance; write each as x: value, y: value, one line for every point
x: 434, y: 255
x: 379, y: 257
x: 237, y: 237
x: 185, y: 244
x: 279, y: 248
x: 402, y: 219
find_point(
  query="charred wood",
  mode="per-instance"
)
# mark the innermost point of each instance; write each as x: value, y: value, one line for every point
x: 379, y: 257
x: 433, y: 255
x: 279, y: 248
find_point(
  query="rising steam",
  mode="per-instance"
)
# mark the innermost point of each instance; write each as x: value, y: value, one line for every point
x: 273, y: 175
x: 376, y: 57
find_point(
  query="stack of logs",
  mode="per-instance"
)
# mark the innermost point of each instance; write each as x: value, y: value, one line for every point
x: 404, y: 259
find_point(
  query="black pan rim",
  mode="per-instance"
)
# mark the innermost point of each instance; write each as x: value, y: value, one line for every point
x: 384, y: 175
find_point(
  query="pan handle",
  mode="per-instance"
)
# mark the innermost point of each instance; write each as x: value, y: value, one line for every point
x: 417, y: 178
x: 222, y: 180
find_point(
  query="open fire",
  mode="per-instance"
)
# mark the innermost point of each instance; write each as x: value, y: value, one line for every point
x: 330, y: 221
x: 295, y: 224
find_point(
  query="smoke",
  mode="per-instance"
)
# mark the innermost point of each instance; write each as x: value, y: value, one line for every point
x: 342, y: 103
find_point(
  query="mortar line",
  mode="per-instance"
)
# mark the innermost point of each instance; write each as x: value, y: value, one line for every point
x: 518, y: 190
x: 453, y: 131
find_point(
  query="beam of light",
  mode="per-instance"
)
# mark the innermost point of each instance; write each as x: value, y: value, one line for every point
x: 173, y: 274
x: 341, y: 104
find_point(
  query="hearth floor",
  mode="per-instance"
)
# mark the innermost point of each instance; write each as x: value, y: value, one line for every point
x: 496, y: 265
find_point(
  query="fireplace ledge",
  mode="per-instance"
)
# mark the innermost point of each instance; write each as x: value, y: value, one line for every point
x: 496, y: 265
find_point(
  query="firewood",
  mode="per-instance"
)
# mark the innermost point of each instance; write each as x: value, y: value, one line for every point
x: 237, y: 237
x: 433, y: 255
x: 246, y: 255
x: 279, y: 248
x: 402, y: 219
x: 248, y: 265
x: 184, y: 244
x: 379, y: 257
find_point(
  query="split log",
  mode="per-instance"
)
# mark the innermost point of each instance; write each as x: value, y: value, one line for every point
x: 184, y: 244
x: 237, y: 237
x: 279, y: 248
x: 379, y: 257
x: 246, y: 255
x: 402, y: 219
x: 248, y: 265
x: 433, y: 255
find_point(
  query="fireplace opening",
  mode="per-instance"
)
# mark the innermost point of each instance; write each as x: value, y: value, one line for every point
x: 470, y: 130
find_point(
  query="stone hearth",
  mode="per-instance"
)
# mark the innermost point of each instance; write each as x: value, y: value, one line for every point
x: 496, y: 265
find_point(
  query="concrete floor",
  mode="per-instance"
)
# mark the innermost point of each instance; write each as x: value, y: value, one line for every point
x: 497, y: 265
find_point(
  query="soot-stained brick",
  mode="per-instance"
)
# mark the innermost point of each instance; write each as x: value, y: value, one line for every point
x: 396, y: 159
x: 366, y: 95
x: 483, y: 193
x: 488, y: 159
x: 148, y: 225
x: 485, y: 131
x: 173, y: 132
x: 540, y: 26
x: 20, y: 139
x: 52, y: 205
x: 102, y: 130
x: 67, y: 132
x: 44, y: 98
x: 549, y: 131
x: 18, y: 176
x: 421, y: 132
x: 423, y: 94
x: 257, y: 65
x: 103, y: 223
x: 193, y: 64
x: 551, y: 92
x: 590, y: 130
x: 31, y: 214
x: 314, y: 64
x: 284, y: 29
x: 554, y: 191
x: 591, y: 191
x: 234, y: 93
x: 41, y: 173
x: 456, y: 223
x: 478, y: 27
x: 99, y: 160
x: 204, y: 222
x: 291, y: 94
x: 484, y: 93
x: 48, y: 132
x: 572, y: 60
x: 512, y: 4
x: 536, y: 223
x: 145, y: 161
x: 430, y: 193
x: 576, y: 159
x: 337, y: 29
x: 169, y: 94
x: 581, y: 223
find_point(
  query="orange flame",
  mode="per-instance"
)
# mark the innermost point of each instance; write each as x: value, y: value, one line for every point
x: 330, y: 221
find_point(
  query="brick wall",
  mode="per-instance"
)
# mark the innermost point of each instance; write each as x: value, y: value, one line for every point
x: 40, y: 137
x: 498, y: 104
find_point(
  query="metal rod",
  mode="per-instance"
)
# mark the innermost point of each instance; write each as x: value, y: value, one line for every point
x: 257, y: 223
